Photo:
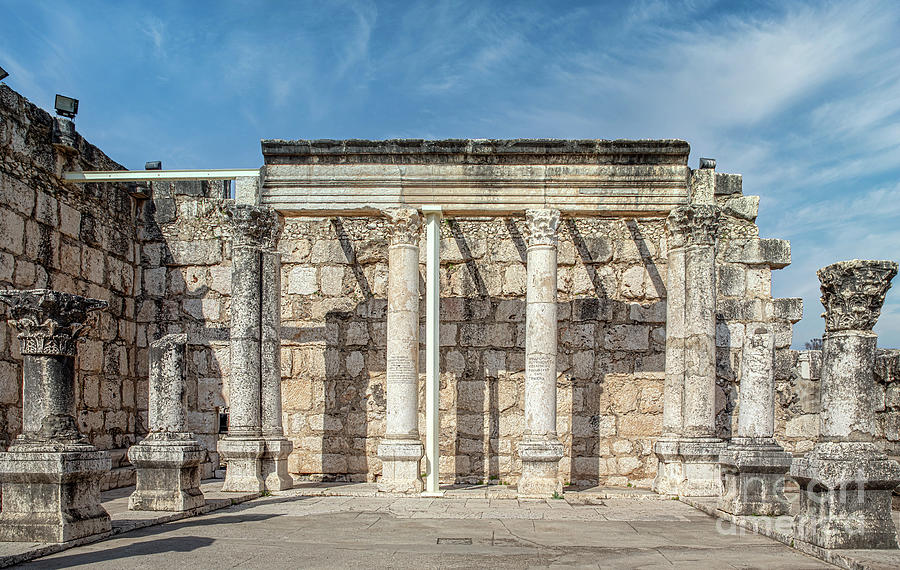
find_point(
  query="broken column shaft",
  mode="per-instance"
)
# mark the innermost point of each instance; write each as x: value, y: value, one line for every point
x: 753, y: 465
x: 168, y: 459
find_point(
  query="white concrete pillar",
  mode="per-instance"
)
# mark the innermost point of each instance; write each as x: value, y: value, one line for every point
x: 432, y: 349
x: 401, y: 449
x: 540, y: 448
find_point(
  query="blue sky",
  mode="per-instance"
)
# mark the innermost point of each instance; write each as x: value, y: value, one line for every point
x: 802, y: 98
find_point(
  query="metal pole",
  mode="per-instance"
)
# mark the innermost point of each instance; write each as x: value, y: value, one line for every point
x: 432, y: 349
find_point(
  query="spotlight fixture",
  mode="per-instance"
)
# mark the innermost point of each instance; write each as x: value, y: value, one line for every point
x: 708, y: 163
x: 153, y: 165
x: 66, y: 106
x: 3, y: 74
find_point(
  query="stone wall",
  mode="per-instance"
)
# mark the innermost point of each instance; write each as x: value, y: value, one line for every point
x: 612, y: 275
x: 78, y: 239
x: 797, y: 401
x: 164, y: 265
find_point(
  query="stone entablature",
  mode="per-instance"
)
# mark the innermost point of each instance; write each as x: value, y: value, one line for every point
x: 475, y: 177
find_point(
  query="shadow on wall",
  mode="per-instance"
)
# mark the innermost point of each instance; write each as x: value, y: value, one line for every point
x: 334, y: 390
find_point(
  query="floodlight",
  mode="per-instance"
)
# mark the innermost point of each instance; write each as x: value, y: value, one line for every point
x: 66, y: 106
x: 3, y: 74
x: 153, y: 165
x: 708, y: 163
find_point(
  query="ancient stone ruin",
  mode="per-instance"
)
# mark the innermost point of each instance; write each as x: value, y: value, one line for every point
x: 603, y: 317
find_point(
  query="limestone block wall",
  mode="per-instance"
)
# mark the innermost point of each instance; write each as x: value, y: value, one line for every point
x: 744, y: 265
x: 186, y: 288
x: 797, y: 401
x: 74, y: 238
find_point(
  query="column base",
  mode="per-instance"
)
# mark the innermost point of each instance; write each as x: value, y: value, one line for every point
x: 274, y: 464
x: 168, y: 476
x: 540, y: 469
x: 400, y: 466
x: 702, y: 477
x: 753, y: 478
x: 243, y: 473
x: 52, y: 496
x: 670, y: 471
x: 845, y: 496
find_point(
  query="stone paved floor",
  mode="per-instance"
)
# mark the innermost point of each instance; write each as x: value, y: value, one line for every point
x: 481, y: 527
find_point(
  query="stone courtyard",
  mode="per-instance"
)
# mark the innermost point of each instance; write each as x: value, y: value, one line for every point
x: 572, y: 344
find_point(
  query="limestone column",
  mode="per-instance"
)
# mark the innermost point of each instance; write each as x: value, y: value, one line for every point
x: 699, y: 447
x: 275, y: 457
x: 254, y: 230
x: 670, y: 471
x: 51, y: 475
x: 540, y: 449
x: 753, y: 465
x: 401, y: 449
x: 845, y: 481
x: 168, y: 459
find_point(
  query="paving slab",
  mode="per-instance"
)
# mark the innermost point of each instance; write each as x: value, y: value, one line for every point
x: 294, y: 529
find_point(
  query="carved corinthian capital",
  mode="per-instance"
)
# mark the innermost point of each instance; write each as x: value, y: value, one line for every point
x: 695, y: 224
x: 49, y: 322
x: 406, y: 225
x: 542, y: 226
x: 853, y: 293
x: 254, y: 226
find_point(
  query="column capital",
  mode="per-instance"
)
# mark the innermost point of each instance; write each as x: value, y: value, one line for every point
x: 694, y: 224
x: 406, y: 225
x: 49, y: 322
x: 542, y: 226
x: 255, y: 226
x: 853, y: 293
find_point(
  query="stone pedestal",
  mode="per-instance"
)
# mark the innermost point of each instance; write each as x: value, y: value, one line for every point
x: 689, y: 450
x: 168, y: 459
x: 845, y: 481
x: 401, y: 449
x: 255, y: 449
x: 753, y: 465
x: 540, y: 449
x: 50, y: 476
x: 52, y: 496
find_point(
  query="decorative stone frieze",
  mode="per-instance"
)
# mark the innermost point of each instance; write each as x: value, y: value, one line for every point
x: 51, y: 475
x: 540, y: 449
x: 401, y: 449
x: 846, y: 482
x: 753, y: 465
x: 853, y: 293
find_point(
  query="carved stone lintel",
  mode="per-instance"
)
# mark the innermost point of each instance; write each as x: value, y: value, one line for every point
x: 255, y: 226
x: 853, y: 293
x: 49, y: 322
x: 695, y: 224
x: 542, y: 226
x: 406, y: 226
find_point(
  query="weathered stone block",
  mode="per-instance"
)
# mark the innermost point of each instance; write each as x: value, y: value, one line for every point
x: 775, y: 253
x: 789, y: 309
x: 744, y: 207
